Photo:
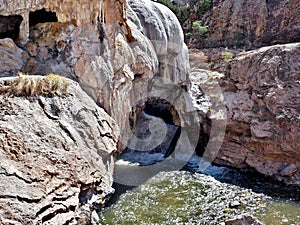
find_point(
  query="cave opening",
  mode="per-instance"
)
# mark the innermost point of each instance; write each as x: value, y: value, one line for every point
x: 10, y: 26
x: 163, y: 109
x: 41, y: 16
x: 165, y: 119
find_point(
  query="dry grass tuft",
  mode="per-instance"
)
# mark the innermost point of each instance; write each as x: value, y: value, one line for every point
x: 49, y: 86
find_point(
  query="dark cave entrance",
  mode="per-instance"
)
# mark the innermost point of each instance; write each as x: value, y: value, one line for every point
x: 10, y: 26
x: 163, y: 109
x: 156, y: 108
x: 41, y: 16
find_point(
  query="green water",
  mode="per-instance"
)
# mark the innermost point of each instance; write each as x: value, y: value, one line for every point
x: 193, y: 199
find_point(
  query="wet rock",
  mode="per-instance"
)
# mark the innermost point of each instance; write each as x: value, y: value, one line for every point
x: 56, y: 156
x: 243, y: 220
x: 152, y: 134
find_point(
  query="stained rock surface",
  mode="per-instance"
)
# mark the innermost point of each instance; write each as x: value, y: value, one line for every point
x: 251, y: 24
x: 260, y: 90
x: 56, y: 157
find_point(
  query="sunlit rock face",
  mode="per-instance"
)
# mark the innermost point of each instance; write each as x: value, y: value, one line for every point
x: 56, y: 154
x: 260, y: 90
x: 248, y: 24
x: 112, y: 48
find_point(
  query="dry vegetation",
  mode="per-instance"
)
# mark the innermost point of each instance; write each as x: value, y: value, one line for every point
x: 25, y: 85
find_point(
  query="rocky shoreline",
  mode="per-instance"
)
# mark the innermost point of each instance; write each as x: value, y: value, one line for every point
x: 260, y: 90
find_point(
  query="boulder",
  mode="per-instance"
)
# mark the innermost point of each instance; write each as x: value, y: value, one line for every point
x: 11, y: 56
x: 56, y: 153
x: 260, y: 89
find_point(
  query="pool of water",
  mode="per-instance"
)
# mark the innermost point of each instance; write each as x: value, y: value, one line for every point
x: 189, y: 197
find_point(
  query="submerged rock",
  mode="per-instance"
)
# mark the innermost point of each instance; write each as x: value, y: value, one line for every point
x: 56, y: 155
x: 243, y: 220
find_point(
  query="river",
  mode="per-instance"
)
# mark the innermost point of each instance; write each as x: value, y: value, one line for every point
x: 188, y: 197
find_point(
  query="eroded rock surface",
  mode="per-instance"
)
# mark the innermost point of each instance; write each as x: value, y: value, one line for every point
x: 112, y: 48
x: 248, y: 23
x: 56, y: 157
x: 261, y: 93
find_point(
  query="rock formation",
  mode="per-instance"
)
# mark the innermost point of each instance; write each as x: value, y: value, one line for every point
x: 56, y: 155
x: 260, y: 89
x: 249, y: 24
x: 243, y: 220
x: 112, y: 48
x: 59, y: 153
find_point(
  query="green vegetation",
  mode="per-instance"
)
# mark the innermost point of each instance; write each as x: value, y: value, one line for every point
x: 188, y: 34
x: 198, y: 28
x: 182, y: 12
x: 205, y: 6
x: 227, y: 57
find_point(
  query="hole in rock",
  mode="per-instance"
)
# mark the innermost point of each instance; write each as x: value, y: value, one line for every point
x: 41, y: 16
x: 163, y: 109
x: 147, y: 121
x: 10, y: 26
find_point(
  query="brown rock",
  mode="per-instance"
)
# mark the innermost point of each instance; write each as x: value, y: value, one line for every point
x: 11, y: 57
x: 111, y: 48
x: 56, y: 157
x: 250, y: 23
x: 261, y: 94
x: 289, y: 170
x: 243, y: 220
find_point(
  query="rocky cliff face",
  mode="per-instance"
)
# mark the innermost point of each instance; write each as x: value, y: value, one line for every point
x: 56, y: 153
x: 260, y: 89
x: 112, y: 48
x: 249, y: 24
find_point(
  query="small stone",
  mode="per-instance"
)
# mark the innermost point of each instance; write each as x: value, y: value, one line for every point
x: 288, y: 170
x: 234, y: 204
x: 243, y: 220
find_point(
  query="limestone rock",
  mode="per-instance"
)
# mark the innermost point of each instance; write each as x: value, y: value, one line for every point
x: 56, y: 157
x: 152, y: 134
x: 112, y: 48
x: 261, y: 94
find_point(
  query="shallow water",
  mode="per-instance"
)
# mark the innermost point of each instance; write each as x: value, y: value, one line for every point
x: 188, y: 197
